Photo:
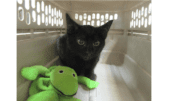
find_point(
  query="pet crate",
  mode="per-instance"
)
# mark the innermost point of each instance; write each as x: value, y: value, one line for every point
x: 124, y: 68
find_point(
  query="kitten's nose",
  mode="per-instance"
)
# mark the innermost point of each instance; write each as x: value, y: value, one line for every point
x: 88, y: 53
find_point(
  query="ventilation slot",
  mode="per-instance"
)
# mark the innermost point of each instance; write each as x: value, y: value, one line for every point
x: 97, y: 16
x: 80, y: 17
x: 42, y: 17
x: 38, y: 7
x: 92, y: 23
x: 33, y: 3
x: 42, y: 6
x: 89, y: 17
x: 102, y: 23
x: 28, y: 18
x: 85, y: 15
x: 20, y: 13
x: 84, y: 22
x: 102, y: 17
x: 20, y: 1
x: 93, y: 16
x: 46, y: 21
x: 33, y: 16
x: 39, y: 20
x: 27, y: 4
x: 76, y: 16
x: 115, y: 16
x: 107, y: 16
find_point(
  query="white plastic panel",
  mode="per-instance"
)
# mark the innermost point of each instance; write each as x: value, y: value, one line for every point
x: 98, y: 18
x: 34, y: 14
x: 28, y: 54
x: 140, y: 15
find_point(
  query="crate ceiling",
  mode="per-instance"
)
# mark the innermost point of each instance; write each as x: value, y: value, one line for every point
x: 96, y: 6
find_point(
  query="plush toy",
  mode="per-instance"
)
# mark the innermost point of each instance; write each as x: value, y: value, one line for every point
x: 58, y: 83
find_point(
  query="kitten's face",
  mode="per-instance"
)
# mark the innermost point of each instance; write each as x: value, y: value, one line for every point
x: 86, y: 41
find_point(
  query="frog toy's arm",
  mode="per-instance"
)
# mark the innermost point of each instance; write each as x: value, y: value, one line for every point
x: 31, y: 73
x: 88, y: 82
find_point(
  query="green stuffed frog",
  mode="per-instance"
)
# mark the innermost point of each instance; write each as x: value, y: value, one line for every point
x: 58, y: 83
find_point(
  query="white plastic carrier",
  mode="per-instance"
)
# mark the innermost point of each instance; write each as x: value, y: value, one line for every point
x: 124, y: 69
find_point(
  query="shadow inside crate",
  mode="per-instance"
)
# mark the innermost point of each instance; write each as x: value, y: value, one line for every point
x: 114, y: 50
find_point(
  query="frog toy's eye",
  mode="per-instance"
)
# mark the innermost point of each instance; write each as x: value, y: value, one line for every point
x: 61, y: 71
x: 73, y: 74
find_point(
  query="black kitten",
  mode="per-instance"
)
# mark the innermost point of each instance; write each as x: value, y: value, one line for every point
x: 80, y: 48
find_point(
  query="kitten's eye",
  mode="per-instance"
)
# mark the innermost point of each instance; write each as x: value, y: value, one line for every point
x: 61, y: 71
x: 96, y: 43
x: 80, y: 42
x: 73, y: 74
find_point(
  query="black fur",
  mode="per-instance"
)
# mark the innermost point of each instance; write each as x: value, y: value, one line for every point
x: 82, y: 58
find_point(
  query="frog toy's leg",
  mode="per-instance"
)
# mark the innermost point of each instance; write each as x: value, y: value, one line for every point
x: 48, y: 95
x: 88, y: 82
x: 43, y: 83
x: 40, y: 84
x: 31, y: 73
x: 33, y: 89
x: 65, y: 98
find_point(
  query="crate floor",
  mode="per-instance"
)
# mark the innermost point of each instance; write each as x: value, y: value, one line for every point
x: 111, y: 87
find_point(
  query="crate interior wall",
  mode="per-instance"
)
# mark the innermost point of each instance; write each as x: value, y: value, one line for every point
x: 124, y: 69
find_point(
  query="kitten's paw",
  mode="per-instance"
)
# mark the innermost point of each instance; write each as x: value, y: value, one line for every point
x: 29, y: 73
x: 93, y: 77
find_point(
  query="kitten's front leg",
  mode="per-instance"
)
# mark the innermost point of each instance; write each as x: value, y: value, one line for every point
x: 89, y: 71
x: 90, y: 74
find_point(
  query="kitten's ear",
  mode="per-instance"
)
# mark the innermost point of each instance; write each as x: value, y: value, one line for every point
x: 106, y: 28
x: 71, y: 25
